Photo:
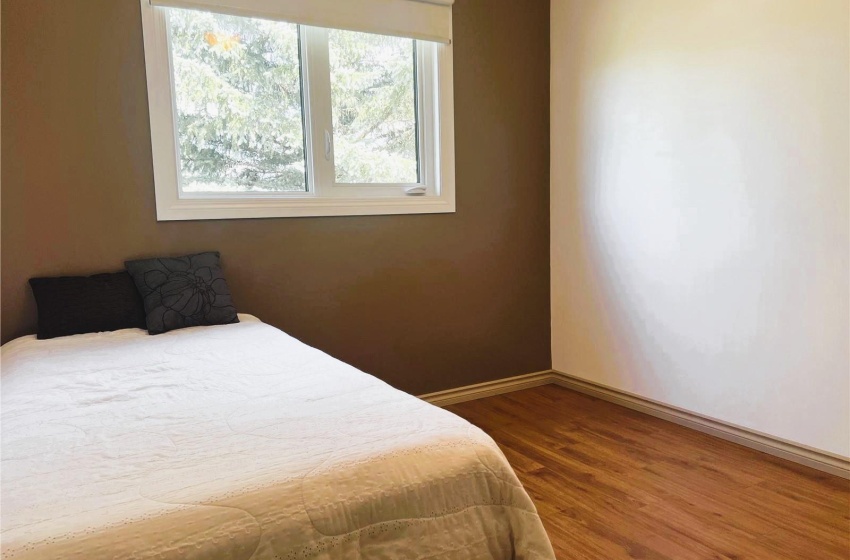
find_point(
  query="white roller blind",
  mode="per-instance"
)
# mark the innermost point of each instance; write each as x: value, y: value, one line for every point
x: 429, y: 20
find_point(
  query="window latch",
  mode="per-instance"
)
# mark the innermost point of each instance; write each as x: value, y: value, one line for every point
x: 415, y: 191
x: 327, y: 145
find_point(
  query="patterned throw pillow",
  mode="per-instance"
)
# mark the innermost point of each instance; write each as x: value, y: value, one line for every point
x: 183, y: 292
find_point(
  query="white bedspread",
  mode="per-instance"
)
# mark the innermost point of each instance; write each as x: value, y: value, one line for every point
x: 239, y: 441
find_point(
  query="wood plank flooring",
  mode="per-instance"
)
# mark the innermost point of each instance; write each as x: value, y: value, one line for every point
x: 613, y: 483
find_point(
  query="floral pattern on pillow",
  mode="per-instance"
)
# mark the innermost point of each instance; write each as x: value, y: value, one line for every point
x: 183, y: 292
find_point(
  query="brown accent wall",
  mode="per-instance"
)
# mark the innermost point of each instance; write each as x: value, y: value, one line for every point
x: 425, y: 302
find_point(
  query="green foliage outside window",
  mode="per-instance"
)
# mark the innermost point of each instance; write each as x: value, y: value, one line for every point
x: 239, y: 109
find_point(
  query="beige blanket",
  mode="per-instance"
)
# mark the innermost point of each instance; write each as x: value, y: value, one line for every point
x: 240, y: 442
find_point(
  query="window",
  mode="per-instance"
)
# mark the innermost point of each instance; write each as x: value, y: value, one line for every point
x: 266, y: 117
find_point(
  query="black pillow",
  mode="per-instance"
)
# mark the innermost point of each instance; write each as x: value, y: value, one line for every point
x: 83, y: 304
x: 183, y: 292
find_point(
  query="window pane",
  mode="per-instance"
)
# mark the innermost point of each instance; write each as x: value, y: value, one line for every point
x: 238, y: 94
x: 374, y: 108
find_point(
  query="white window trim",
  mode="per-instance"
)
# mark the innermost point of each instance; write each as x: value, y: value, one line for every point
x: 324, y: 197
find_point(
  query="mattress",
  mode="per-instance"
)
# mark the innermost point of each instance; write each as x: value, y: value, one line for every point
x: 238, y: 441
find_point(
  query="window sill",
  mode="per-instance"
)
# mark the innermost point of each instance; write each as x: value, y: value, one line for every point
x: 221, y: 209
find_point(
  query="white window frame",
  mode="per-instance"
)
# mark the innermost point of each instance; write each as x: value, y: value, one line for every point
x: 324, y: 197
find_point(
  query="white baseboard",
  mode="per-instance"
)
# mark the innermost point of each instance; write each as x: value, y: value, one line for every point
x: 821, y: 460
x: 489, y: 388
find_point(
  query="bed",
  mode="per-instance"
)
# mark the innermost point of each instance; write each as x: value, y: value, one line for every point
x: 238, y: 441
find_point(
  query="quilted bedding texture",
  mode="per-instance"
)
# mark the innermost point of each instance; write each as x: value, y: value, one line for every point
x: 238, y: 441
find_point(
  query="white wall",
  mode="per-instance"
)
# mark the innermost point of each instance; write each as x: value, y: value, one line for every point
x: 700, y: 230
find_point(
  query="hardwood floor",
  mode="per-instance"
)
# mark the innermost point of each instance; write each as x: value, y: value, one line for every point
x: 613, y: 483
